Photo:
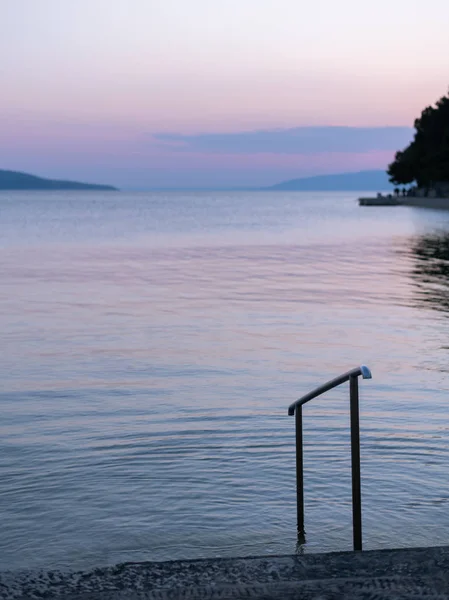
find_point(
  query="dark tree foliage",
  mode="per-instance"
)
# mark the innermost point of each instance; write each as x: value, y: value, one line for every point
x: 426, y: 159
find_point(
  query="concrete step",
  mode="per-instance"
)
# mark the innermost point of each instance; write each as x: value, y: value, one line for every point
x: 381, y: 574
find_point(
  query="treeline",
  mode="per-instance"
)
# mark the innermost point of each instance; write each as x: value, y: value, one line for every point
x: 425, y: 161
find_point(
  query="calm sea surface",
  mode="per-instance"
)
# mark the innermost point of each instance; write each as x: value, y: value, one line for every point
x: 152, y: 342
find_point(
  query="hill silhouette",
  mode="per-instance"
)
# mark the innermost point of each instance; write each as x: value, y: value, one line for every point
x: 374, y: 180
x: 15, y: 180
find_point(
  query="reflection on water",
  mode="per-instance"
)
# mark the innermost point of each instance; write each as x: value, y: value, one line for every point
x: 152, y: 344
x: 431, y: 269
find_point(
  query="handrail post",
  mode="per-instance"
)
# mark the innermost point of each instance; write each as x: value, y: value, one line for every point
x: 355, y: 463
x: 295, y: 409
x: 299, y: 475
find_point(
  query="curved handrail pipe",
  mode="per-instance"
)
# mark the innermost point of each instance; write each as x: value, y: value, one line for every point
x: 296, y: 410
x: 362, y: 370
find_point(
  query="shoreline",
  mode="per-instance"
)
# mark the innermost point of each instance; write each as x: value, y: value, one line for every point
x: 440, y: 203
x: 397, y: 573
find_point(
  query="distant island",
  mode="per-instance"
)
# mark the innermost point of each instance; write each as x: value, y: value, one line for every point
x: 15, y: 180
x: 345, y: 182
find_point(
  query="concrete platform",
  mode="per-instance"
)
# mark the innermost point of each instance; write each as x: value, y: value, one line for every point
x: 394, y: 574
x: 435, y: 203
x: 380, y: 201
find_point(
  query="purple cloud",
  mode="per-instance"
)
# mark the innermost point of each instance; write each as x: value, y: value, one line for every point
x: 299, y: 140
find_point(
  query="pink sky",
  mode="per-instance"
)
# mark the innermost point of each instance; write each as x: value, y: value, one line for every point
x: 86, y: 84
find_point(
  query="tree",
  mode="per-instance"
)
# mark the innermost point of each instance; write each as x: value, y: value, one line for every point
x: 426, y: 159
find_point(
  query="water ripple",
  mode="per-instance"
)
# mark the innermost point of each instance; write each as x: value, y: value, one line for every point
x: 151, y: 346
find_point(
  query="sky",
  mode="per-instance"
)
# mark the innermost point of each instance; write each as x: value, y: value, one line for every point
x: 214, y: 93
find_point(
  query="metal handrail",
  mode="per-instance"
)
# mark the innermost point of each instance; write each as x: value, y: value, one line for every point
x: 296, y: 409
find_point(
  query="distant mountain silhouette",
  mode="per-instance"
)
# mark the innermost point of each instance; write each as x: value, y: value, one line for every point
x: 351, y: 182
x: 15, y: 180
